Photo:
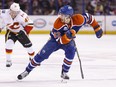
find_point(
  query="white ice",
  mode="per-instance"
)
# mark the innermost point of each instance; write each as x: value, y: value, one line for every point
x: 98, y: 57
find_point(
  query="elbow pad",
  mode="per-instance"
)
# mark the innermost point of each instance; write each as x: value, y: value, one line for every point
x: 64, y: 39
x: 71, y: 33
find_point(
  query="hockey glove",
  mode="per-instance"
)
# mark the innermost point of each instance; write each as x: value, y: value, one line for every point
x: 67, y: 37
x: 99, y: 33
x: 70, y: 33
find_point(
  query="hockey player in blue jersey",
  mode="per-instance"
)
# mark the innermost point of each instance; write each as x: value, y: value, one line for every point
x: 64, y: 29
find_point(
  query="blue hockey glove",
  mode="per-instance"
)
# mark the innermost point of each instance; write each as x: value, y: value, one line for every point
x: 99, y: 33
x: 70, y: 33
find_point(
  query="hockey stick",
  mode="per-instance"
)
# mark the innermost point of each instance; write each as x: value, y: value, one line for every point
x: 82, y: 75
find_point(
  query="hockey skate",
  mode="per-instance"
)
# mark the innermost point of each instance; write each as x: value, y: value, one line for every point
x: 64, y: 77
x: 30, y: 58
x: 22, y: 75
x: 8, y: 63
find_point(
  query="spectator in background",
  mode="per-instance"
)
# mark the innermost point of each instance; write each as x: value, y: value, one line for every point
x: 107, y: 8
x: 36, y: 7
x: 45, y: 6
x: 23, y: 5
x: 8, y: 3
x: 53, y: 7
x: 115, y: 11
x: 0, y: 4
x: 99, y: 9
x: 90, y: 8
x: 94, y: 3
x: 66, y: 2
x: 50, y: 7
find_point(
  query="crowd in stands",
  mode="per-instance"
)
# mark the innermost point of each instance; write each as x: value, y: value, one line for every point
x: 101, y: 7
x: 50, y: 7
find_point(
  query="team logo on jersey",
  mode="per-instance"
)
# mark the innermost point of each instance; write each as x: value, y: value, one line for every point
x: 39, y: 23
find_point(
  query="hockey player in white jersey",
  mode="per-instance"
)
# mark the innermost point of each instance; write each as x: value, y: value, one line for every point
x: 18, y: 26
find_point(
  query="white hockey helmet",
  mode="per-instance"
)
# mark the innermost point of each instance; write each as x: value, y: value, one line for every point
x: 15, y: 7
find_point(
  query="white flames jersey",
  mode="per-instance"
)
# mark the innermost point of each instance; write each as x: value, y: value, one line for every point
x: 16, y: 24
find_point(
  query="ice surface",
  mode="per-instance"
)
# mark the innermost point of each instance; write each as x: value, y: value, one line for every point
x: 98, y: 58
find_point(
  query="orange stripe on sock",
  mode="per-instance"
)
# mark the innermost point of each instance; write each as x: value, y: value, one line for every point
x: 31, y: 54
x: 67, y: 62
x: 34, y: 64
x: 8, y: 51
